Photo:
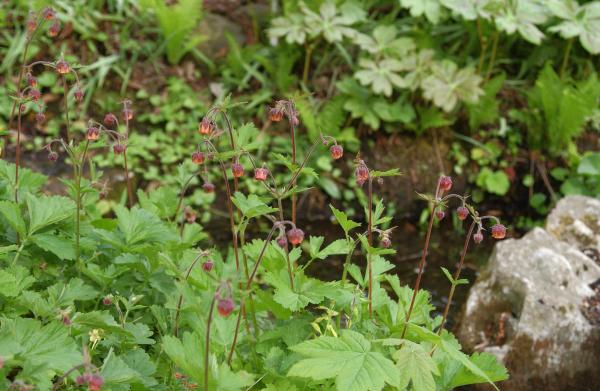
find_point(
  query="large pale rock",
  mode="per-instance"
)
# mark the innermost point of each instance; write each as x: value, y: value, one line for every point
x: 528, y: 306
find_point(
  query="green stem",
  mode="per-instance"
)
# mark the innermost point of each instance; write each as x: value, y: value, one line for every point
x: 18, y: 254
x: 490, y: 69
x: 483, y: 45
x: 307, y: 58
x: 566, y: 56
x: 370, y: 238
x: 66, y: 97
x: 79, y: 174
x: 207, y: 340
x: 457, y: 275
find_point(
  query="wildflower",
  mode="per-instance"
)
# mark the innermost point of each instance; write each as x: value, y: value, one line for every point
x: 237, y: 169
x: 282, y: 241
x: 498, y: 231
x: 54, y: 29
x: 386, y: 242
x: 295, y: 236
x: 208, y: 265
x: 260, y: 174
x: 110, y: 119
x: 440, y: 214
x: 208, y: 187
x: 225, y: 306
x: 445, y: 183
x: 107, y: 300
x: 49, y: 13
x: 275, y: 114
x: 31, y: 80
x: 190, y: 215
x: 361, y: 173
x: 35, y: 94
x: 40, y: 117
x: 62, y: 67
x: 52, y: 156
x: 95, y: 383
x: 478, y: 236
x: 206, y: 127
x: 198, y: 157
x: 462, y: 212
x: 337, y: 151
x: 93, y: 133
x: 118, y: 148
x: 127, y: 114
x: 78, y: 95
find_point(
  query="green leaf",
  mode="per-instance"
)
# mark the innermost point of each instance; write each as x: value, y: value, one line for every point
x: 341, y: 217
x: 251, y: 206
x: 348, y: 359
x: 487, y: 363
x: 43, y: 350
x: 63, y: 248
x: 337, y: 247
x: 185, y: 354
x: 115, y: 371
x: 429, y: 8
x: 447, y: 85
x: 12, y: 214
x: 589, y: 165
x: 306, y: 290
x: 63, y: 295
x: 416, y: 367
x: 14, y: 280
x: 45, y: 211
x: 140, y: 227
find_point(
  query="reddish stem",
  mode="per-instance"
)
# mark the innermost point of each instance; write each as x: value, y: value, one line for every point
x: 370, y: 238
x: 457, y: 275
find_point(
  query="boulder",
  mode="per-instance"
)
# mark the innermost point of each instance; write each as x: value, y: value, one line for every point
x: 535, y: 304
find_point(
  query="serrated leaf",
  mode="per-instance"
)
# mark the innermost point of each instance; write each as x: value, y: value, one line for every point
x: 347, y: 359
x: 488, y: 363
x: 416, y: 367
x: 12, y: 214
x: 341, y: 217
x: 251, y: 206
x: 45, y: 211
x: 63, y: 248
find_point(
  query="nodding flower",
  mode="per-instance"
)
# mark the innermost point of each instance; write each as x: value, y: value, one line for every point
x: 361, y: 173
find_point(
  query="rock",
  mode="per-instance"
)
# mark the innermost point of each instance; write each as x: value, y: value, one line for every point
x: 576, y: 220
x: 214, y: 28
x: 531, y: 306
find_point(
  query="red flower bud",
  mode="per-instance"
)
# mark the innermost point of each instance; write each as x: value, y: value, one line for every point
x: 52, y: 156
x: 62, y: 67
x: 93, y: 133
x: 260, y: 174
x: 190, y: 215
x: 361, y: 173
x: 337, y: 151
x: 127, y: 114
x: 445, y: 183
x: 40, y: 117
x: 440, y: 214
x: 66, y: 320
x: 225, y: 306
x: 34, y: 94
x: 498, y: 231
x: 478, y: 237
x: 54, y: 29
x: 80, y: 380
x: 237, y: 169
x: 31, y: 22
x: 95, y: 383
x: 49, y: 13
x: 118, y: 148
x: 110, y: 119
x: 386, y: 242
x: 78, y: 95
x: 107, y: 300
x: 282, y: 241
x: 462, y: 212
x: 295, y: 236
x: 275, y: 114
x: 208, y: 187
x: 31, y: 81
x: 208, y: 265
x: 206, y: 127
x: 198, y: 157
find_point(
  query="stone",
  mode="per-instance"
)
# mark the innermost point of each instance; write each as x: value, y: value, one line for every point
x: 531, y: 305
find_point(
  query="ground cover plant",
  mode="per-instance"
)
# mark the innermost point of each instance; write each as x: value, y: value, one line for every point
x: 140, y: 298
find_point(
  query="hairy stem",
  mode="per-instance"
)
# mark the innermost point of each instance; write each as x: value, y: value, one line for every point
x: 565, y: 61
x: 370, y: 238
x: 180, y: 301
x: 79, y: 174
x: 421, y: 262
x: 490, y: 68
x: 126, y: 168
x: 66, y: 97
x: 18, y: 154
x: 293, y: 134
x: 287, y: 253
x: 248, y: 284
x: 207, y: 340
x: 457, y: 275
x: 307, y: 57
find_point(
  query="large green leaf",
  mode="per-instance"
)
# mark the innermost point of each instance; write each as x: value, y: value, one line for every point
x: 416, y: 367
x: 12, y: 214
x: 45, y: 211
x: 347, y: 359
